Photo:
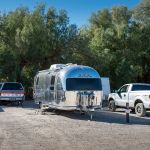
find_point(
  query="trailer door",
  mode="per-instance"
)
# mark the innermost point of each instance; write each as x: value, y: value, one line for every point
x: 52, y: 83
x: 59, y: 91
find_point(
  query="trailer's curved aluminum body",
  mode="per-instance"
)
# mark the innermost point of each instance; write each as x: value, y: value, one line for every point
x: 69, y: 87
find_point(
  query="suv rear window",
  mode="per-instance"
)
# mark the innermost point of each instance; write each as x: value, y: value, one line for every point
x: 140, y: 87
x: 12, y: 86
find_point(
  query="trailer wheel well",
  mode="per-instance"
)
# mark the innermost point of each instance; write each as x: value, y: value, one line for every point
x: 137, y: 101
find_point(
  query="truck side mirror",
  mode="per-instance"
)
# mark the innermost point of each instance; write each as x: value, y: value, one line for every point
x: 115, y: 91
x: 118, y: 91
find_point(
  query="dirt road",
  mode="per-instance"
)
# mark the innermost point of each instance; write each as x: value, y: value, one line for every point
x: 27, y: 129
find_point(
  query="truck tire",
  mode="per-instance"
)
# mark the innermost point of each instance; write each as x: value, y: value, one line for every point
x: 112, y: 106
x: 140, y: 110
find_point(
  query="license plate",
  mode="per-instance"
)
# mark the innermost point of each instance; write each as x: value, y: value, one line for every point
x: 12, y: 98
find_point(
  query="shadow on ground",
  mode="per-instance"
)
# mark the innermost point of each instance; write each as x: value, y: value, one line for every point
x: 108, y: 117
x: 99, y: 116
x: 30, y: 104
x: 26, y: 104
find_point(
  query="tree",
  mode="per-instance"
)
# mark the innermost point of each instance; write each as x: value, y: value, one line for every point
x: 33, y: 41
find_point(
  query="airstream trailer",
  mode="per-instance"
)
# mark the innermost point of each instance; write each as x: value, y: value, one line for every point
x: 68, y: 87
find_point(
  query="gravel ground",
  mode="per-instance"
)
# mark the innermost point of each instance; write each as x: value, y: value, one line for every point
x: 28, y: 129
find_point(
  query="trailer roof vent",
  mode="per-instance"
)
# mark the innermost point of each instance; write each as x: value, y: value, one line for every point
x: 57, y: 67
x: 70, y: 64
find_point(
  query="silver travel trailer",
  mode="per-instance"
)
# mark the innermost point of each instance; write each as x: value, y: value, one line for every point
x: 68, y: 87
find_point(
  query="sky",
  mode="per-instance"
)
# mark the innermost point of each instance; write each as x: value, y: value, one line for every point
x: 79, y: 11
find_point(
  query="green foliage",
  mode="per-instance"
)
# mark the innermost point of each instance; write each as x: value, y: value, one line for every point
x: 119, y: 43
x: 31, y: 41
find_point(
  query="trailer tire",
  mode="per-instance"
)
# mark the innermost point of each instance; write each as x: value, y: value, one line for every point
x: 140, y: 110
x: 112, y: 106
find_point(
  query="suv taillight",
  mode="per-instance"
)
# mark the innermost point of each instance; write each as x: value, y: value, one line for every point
x: 12, y: 94
x: 149, y: 96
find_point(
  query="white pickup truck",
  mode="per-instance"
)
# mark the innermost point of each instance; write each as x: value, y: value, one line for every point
x: 136, y: 94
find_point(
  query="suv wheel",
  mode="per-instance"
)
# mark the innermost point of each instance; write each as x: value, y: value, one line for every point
x: 112, y: 106
x: 140, y: 110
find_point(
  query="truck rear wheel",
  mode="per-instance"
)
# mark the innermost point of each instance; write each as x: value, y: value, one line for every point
x: 112, y: 106
x: 140, y: 110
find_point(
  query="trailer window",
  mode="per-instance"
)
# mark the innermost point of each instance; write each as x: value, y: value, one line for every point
x: 140, y: 87
x: 59, y: 84
x: 12, y: 86
x: 52, y: 80
x: 73, y: 84
x: 52, y: 83
x: 37, y: 81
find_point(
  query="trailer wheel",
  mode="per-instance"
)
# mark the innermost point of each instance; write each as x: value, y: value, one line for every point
x: 140, y: 110
x: 112, y: 106
x: 82, y: 113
